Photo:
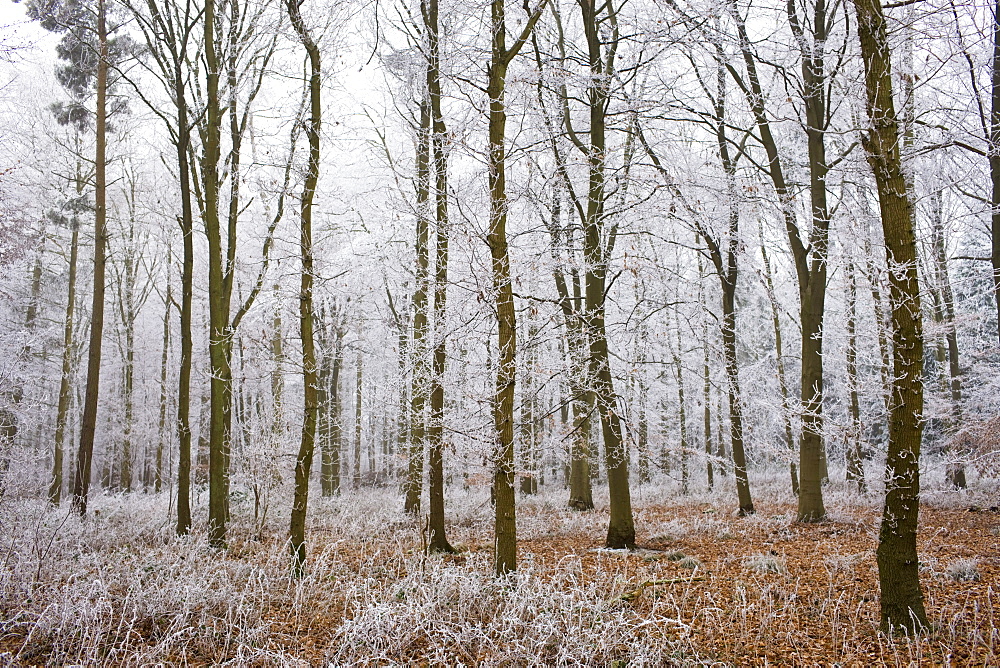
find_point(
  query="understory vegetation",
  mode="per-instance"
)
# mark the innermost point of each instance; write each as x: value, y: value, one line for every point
x: 704, y: 588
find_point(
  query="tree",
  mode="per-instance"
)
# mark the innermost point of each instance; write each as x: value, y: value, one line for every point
x: 419, y: 347
x: 505, y: 524
x: 76, y: 205
x: 168, y: 29
x: 242, y: 59
x: 89, y: 50
x: 438, y: 542
x: 902, y: 604
x: 809, y: 252
x: 600, y: 25
x: 722, y: 251
x: 310, y: 380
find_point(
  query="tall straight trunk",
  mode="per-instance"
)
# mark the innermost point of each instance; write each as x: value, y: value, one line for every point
x: 902, y: 603
x: 707, y: 415
x: 809, y: 255
x: 726, y: 261
x: 438, y: 541
x: 581, y: 495
x: 358, y: 397
x: 812, y: 283
x: 505, y: 524
x: 735, y: 400
x: 601, y: 53
x: 419, y: 379
x: 331, y: 425
x: 994, y: 158
x: 855, y: 462
x: 529, y: 416
x: 187, y: 298
x: 682, y: 414
x: 66, y: 375
x: 88, y: 425
x: 164, y: 399
x: 786, y: 418
x: 219, y: 342
x: 221, y: 236
x: 127, y: 310
x: 642, y: 417
x: 956, y: 472
x: 172, y: 37
x: 576, y: 348
x: 310, y: 412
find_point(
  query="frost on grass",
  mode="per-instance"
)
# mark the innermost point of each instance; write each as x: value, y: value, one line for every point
x: 765, y: 563
x: 689, y: 562
x: 464, y: 614
x: 964, y: 570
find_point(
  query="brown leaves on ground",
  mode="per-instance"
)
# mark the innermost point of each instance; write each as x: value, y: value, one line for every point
x: 766, y: 590
x: 706, y: 586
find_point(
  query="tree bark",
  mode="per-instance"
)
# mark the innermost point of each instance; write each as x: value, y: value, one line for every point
x: 66, y: 376
x: 438, y: 540
x: 786, y: 408
x: 855, y: 459
x: 505, y: 525
x: 994, y: 158
x: 902, y: 604
x: 420, y: 380
x: 88, y: 426
x: 307, y: 440
x: 601, y: 53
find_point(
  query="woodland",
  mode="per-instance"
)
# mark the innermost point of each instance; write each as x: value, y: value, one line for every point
x: 475, y: 332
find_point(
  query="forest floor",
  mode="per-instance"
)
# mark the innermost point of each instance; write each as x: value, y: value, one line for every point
x: 706, y: 587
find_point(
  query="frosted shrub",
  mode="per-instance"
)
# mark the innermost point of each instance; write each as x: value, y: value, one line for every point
x: 964, y: 570
x: 765, y: 563
x: 689, y: 562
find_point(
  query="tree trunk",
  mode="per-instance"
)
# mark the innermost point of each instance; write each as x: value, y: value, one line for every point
x: 809, y: 256
x: 88, y: 426
x: 707, y: 416
x: 735, y: 394
x: 307, y: 441
x: 505, y: 525
x: 621, y: 527
x: 902, y: 604
x: 66, y: 376
x: 331, y: 426
x: 994, y: 158
x: 419, y: 381
x: 164, y: 400
x: 219, y: 342
x: 855, y: 460
x: 358, y: 400
x: 438, y: 541
x: 786, y: 408
x: 682, y: 413
x: 956, y: 471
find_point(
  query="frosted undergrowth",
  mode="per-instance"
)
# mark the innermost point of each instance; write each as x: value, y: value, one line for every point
x: 453, y: 613
x: 119, y: 588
